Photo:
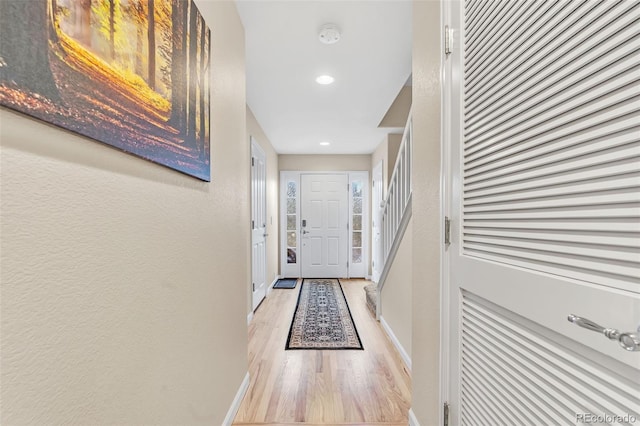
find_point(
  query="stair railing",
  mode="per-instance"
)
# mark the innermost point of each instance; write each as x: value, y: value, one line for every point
x: 397, y: 208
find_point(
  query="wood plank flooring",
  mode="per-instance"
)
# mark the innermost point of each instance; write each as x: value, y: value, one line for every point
x: 322, y: 387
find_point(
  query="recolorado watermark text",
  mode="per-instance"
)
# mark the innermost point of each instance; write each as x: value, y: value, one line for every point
x: 591, y: 418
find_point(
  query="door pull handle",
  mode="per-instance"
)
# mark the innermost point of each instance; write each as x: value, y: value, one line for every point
x: 629, y: 341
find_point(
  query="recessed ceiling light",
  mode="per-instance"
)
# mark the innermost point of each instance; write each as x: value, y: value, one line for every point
x: 325, y: 79
x: 325, y: 143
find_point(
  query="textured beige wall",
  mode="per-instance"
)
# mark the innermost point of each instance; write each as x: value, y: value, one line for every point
x: 382, y: 154
x: 397, y: 290
x: 124, y: 283
x: 324, y: 163
x: 387, y: 152
x: 254, y: 129
x: 392, y: 153
x: 398, y: 112
x: 426, y: 210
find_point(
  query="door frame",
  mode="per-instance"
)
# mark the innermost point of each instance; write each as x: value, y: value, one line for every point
x: 294, y: 270
x: 376, y: 249
x: 256, y: 149
x: 447, y: 103
x: 362, y: 269
x: 289, y: 270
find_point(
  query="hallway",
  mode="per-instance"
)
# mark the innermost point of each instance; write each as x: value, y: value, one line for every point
x: 322, y: 387
x: 512, y: 292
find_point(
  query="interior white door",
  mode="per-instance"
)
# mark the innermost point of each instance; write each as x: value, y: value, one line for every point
x: 324, y: 221
x: 258, y: 224
x: 545, y: 211
x: 376, y: 224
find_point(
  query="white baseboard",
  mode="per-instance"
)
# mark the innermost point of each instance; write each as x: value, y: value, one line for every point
x: 413, y: 421
x: 235, y: 405
x: 405, y: 356
x: 269, y: 289
x: 275, y: 280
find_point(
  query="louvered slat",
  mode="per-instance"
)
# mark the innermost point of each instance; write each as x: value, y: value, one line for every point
x: 624, y: 254
x: 620, y: 240
x: 551, y: 152
x: 556, y: 45
x: 541, y: 352
x: 627, y: 178
x: 547, y: 118
x: 560, y: 266
x: 594, y: 214
x: 563, y: 124
x: 483, y: 373
x: 497, y: 107
x: 619, y: 270
x: 536, y: 149
x: 626, y: 226
x: 520, y: 14
x: 564, y: 200
x: 496, y: 15
x: 529, y: 377
x: 481, y: 15
x: 536, y: 33
x: 621, y: 73
x: 615, y: 55
x: 570, y: 158
x: 613, y: 119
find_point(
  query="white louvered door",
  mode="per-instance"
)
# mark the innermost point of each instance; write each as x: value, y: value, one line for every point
x: 544, y: 104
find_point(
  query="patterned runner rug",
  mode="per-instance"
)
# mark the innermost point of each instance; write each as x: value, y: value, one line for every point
x: 322, y: 319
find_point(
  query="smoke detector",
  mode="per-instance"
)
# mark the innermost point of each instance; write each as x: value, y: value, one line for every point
x: 329, y: 34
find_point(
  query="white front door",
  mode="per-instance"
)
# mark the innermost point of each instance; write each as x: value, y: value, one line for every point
x: 258, y: 224
x: 545, y: 217
x: 324, y: 221
x: 376, y: 213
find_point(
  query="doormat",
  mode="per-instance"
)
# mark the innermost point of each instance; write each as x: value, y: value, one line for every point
x: 322, y: 319
x: 286, y: 283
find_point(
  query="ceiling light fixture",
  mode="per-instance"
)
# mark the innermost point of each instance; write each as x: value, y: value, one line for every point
x: 325, y: 79
x: 329, y: 34
x: 325, y: 143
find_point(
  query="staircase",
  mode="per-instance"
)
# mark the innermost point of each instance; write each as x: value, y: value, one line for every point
x: 395, y: 217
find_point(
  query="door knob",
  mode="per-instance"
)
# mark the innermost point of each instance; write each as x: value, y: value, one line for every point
x: 629, y: 341
x: 304, y: 232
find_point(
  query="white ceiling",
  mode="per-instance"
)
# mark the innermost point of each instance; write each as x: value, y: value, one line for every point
x: 370, y: 63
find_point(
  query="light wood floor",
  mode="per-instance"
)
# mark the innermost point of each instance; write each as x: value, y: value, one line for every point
x: 328, y: 387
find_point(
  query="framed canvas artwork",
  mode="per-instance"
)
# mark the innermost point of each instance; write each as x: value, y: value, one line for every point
x: 133, y: 74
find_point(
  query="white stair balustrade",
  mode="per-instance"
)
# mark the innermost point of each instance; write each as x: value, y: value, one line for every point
x: 397, y: 209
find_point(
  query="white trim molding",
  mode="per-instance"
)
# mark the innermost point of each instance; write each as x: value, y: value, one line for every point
x: 391, y: 256
x: 235, y: 405
x: 275, y: 280
x: 403, y: 353
x: 269, y: 289
x: 358, y: 270
x: 289, y: 270
x: 294, y: 270
x: 413, y: 420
